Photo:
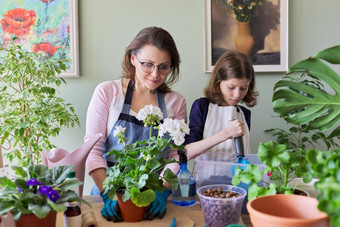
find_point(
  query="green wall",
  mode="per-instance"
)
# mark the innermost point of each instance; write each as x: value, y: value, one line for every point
x: 106, y: 27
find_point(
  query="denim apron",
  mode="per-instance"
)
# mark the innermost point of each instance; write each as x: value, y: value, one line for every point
x: 135, y: 130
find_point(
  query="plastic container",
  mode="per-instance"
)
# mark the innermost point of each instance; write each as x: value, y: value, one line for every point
x: 220, y: 212
x: 214, y: 168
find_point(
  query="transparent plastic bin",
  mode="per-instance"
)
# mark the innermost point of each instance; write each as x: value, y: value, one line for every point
x: 220, y: 212
x: 214, y: 168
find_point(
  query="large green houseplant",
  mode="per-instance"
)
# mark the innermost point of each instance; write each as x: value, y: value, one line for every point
x: 30, y: 109
x: 299, y: 103
x: 308, y: 97
x: 136, y: 173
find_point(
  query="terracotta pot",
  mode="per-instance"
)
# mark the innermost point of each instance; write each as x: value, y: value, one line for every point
x: 129, y: 211
x: 286, y: 211
x: 244, y: 40
x: 31, y: 220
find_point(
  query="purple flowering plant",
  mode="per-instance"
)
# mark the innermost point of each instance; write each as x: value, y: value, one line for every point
x: 37, y: 190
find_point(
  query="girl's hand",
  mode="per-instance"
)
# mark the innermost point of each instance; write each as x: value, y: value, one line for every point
x: 235, y: 128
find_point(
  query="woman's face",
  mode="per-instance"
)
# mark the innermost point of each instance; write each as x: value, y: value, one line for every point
x: 152, y: 66
x: 234, y: 90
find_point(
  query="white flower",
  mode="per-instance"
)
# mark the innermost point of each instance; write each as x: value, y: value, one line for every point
x: 163, y: 128
x: 178, y: 139
x: 118, y: 130
x: 147, y: 110
x: 184, y: 126
x: 176, y: 128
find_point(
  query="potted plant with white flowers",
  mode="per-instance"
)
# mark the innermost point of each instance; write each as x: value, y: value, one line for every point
x: 136, y: 173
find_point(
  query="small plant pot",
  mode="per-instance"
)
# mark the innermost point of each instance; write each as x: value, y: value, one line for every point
x: 129, y: 211
x: 286, y: 210
x: 306, y: 187
x: 221, y: 211
x: 33, y: 221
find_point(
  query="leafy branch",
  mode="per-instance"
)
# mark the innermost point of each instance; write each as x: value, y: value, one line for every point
x: 30, y: 110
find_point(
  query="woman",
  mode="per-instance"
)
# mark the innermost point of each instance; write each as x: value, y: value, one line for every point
x: 150, y: 67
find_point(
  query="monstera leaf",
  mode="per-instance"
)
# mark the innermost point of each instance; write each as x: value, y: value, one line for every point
x: 305, y: 103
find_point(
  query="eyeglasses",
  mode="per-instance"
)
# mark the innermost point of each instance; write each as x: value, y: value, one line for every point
x: 149, y: 67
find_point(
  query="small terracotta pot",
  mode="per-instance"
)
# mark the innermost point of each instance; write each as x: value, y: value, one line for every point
x: 286, y: 211
x: 129, y: 211
x: 31, y: 220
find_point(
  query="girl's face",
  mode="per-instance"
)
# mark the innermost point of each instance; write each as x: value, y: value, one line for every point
x: 152, y: 66
x: 234, y: 90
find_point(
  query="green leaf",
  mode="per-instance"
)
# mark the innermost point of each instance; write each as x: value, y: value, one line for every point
x: 273, y: 154
x: 60, y: 173
x: 69, y: 184
x: 251, y: 174
x: 21, y: 183
x: 154, y: 163
x: 252, y: 191
x: 19, y: 171
x: 171, y: 178
x: 6, y: 206
x: 57, y: 207
x: 142, y: 199
x: 332, y: 55
x: 142, y: 180
x: 39, y: 211
x: 4, y: 181
x: 17, y: 216
x: 300, y: 103
x: 127, y: 195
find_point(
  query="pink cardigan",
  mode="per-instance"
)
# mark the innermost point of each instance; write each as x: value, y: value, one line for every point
x: 103, y: 112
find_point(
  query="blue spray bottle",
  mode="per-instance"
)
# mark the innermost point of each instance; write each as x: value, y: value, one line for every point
x: 185, y: 195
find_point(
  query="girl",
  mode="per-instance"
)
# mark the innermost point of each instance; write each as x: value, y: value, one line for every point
x: 211, y: 118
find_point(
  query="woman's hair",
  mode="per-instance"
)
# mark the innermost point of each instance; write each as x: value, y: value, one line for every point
x: 161, y: 39
x: 230, y: 65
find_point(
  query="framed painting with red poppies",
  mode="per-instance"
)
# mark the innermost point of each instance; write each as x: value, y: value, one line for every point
x: 48, y: 26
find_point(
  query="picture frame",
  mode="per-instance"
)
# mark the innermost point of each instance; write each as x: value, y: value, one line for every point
x: 48, y: 26
x: 269, y: 28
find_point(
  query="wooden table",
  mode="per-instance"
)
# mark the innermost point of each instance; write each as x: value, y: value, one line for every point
x: 185, y: 216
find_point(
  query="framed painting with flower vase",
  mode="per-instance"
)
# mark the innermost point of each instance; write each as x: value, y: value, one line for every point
x: 257, y: 28
x: 47, y: 26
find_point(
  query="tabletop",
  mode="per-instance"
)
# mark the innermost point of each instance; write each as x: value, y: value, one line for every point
x: 185, y: 216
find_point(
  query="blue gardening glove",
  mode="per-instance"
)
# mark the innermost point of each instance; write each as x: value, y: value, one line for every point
x: 110, y: 210
x: 157, y: 207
